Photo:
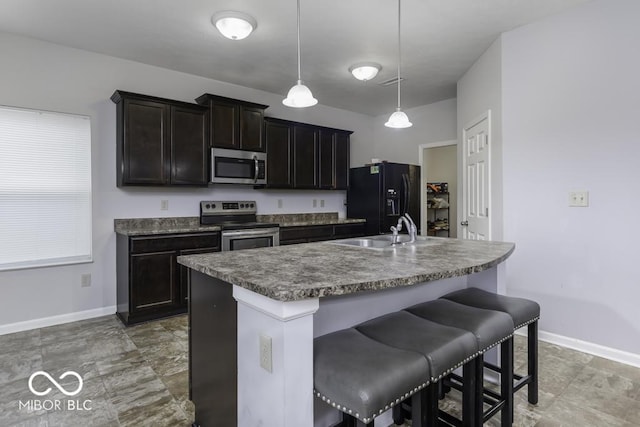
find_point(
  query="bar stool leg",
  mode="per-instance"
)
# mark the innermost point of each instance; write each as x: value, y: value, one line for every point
x: 532, y: 362
x: 469, y: 394
x: 424, y: 407
x: 506, y: 382
x: 479, y: 389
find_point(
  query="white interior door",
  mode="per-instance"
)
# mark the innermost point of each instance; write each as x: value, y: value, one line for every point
x: 476, y: 195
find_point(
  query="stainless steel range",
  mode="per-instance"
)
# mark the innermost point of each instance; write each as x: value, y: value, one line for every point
x: 240, y: 230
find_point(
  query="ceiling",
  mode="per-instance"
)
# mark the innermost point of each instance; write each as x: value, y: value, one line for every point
x: 441, y: 39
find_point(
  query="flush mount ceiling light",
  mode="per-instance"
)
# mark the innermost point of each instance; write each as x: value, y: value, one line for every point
x: 398, y: 119
x: 365, y: 70
x: 234, y: 25
x: 299, y: 96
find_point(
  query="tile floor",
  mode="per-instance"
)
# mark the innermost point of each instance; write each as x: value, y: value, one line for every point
x: 138, y: 376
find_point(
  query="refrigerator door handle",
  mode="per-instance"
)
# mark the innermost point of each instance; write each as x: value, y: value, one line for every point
x: 405, y: 194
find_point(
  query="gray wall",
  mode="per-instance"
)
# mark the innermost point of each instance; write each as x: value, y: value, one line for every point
x: 571, y: 92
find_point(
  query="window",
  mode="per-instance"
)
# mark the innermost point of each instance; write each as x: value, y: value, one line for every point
x: 45, y: 188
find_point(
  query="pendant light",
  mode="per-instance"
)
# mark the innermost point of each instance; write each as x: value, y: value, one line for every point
x: 398, y: 119
x: 299, y: 96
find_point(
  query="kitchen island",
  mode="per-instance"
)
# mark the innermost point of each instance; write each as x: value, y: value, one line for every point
x: 262, y: 308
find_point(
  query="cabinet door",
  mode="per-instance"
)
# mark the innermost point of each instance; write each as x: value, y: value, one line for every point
x: 224, y: 125
x: 154, y: 284
x: 251, y: 129
x: 279, y: 155
x: 326, y: 167
x: 305, y: 151
x: 189, y: 146
x: 145, y: 157
x: 341, y: 161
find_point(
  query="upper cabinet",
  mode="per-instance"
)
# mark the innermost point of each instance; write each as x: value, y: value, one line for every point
x: 235, y: 124
x: 160, y: 141
x: 305, y: 156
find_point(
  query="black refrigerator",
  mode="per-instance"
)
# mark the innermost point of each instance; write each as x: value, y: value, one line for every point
x: 381, y: 193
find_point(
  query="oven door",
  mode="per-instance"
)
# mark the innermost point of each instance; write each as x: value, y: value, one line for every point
x: 234, y: 240
x: 238, y: 167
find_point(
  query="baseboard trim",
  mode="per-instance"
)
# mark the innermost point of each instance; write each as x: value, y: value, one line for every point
x: 43, y: 322
x: 588, y: 347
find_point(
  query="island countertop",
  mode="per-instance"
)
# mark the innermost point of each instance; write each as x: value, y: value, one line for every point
x: 315, y: 270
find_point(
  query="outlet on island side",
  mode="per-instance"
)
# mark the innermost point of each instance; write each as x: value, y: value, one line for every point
x: 164, y: 205
x: 265, y: 353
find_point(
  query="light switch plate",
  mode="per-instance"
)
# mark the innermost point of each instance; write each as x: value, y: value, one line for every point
x: 579, y: 199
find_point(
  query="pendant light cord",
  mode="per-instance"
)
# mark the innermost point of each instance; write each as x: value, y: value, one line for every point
x: 299, y: 74
x: 399, y: 54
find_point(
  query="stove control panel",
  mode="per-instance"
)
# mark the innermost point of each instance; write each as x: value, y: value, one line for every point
x: 228, y: 208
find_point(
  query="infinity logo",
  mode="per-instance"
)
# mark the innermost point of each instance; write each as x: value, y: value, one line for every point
x: 55, y: 383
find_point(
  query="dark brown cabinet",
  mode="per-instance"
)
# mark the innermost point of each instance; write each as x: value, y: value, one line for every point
x: 333, y: 167
x: 304, y: 156
x: 160, y: 141
x: 279, y: 154
x: 150, y: 282
x: 234, y: 123
x: 317, y: 233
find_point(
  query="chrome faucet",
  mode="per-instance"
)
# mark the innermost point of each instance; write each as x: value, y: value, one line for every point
x: 411, y: 229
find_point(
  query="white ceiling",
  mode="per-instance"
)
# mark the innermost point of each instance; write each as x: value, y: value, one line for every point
x: 441, y: 39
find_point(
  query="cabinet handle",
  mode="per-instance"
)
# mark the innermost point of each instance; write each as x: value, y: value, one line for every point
x: 464, y: 223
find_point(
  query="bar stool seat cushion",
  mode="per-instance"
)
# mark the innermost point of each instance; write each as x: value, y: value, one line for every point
x: 363, y: 377
x: 489, y: 327
x: 445, y: 347
x: 522, y: 311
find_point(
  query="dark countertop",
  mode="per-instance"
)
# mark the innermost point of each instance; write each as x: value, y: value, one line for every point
x: 313, y: 270
x: 174, y: 225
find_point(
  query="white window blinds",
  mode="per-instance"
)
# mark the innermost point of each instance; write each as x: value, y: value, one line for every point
x: 45, y: 188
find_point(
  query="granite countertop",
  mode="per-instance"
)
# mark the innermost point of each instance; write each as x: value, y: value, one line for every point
x: 150, y: 226
x: 315, y: 270
x: 191, y: 224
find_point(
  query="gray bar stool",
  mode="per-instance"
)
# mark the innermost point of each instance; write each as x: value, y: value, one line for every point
x: 524, y: 312
x: 364, y: 378
x: 491, y: 328
x: 446, y: 348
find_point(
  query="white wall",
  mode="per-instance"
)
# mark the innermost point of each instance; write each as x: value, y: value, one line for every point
x: 571, y: 92
x: 431, y: 123
x: 40, y: 75
x: 480, y: 90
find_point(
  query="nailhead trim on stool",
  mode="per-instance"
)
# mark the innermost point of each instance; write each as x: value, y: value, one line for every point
x: 352, y: 370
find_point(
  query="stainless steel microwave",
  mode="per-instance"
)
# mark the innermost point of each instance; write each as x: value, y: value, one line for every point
x: 238, y: 167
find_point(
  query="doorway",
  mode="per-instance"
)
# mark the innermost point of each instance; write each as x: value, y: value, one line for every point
x: 439, y: 164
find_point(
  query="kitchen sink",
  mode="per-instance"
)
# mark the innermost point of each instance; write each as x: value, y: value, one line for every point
x: 383, y: 242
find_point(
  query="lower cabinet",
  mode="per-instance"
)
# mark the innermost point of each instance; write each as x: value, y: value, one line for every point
x: 316, y: 233
x: 150, y: 282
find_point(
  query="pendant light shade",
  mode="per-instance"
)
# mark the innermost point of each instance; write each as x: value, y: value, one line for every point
x: 299, y: 96
x: 398, y: 119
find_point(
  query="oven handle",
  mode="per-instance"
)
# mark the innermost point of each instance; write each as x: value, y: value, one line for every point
x: 251, y: 233
x: 256, y: 170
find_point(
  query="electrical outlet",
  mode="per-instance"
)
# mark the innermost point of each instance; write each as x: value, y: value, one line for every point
x: 579, y: 199
x: 279, y: 203
x: 265, y: 353
x: 315, y: 203
x: 85, y: 280
x: 164, y: 205
x: 322, y: 203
